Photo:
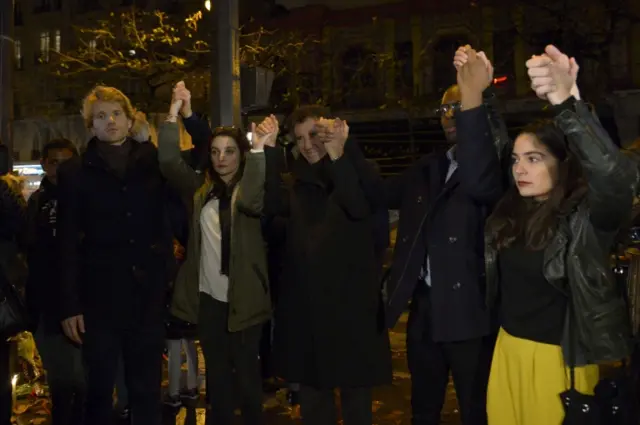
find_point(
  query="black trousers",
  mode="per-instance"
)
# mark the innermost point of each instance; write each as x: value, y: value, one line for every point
x: 318, y: 406
x: 62, y: 360
x: 430, y: 362
x: 232, y: 360
x: 141, y: 347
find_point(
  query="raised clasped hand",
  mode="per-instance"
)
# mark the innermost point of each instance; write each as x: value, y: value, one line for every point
x: 266, y: 133
x: 473, y: 76
x: 461, y: 57
x: 334, y: 134
x: 553, y: 75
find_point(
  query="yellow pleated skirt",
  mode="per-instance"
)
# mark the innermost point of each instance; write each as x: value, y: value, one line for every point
x: 526, y: 380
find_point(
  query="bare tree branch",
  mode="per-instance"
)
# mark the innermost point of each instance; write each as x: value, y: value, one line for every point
x: 158, y: 49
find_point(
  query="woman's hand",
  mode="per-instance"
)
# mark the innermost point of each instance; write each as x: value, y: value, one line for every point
x: 553, y: 75
x: 176, y: 102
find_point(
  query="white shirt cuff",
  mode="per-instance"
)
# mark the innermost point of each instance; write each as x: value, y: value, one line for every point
x: 257, y: 150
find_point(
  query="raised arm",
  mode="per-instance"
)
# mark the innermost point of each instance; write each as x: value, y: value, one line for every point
x: 276, y: 196
x: 612, y: 177
x: 382, y: 193
x: 251, y: 189
x: 178, y: 173
x: 481, y: 134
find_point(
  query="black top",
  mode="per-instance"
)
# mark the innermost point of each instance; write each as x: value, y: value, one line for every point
x: 531, y: 307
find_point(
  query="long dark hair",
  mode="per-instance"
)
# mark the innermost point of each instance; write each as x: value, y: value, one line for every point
x: 527, y: 220
x: 221, y: 189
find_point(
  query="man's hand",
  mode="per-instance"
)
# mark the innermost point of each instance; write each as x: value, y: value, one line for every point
x: 266, y: 133
x: 180, y: 92
x: 334, y: 135
x: 461, y: 57
x: 473, y: 79
x: 553, y: 75
x: 73, y: 328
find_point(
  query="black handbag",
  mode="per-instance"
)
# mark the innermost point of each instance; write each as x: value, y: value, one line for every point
x: 612, y: 402
x: 14, y: 317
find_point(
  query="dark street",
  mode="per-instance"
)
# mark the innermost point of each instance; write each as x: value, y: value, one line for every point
x: 391, y: 405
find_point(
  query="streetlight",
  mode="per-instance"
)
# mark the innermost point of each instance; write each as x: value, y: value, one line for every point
x: 207, y: 5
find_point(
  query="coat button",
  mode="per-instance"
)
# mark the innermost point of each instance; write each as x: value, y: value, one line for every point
x: 452, y: 239
x: 129, y: 214
x: 457, y: 286
x: 404, y: 239
x: 124, y: 188
x: 132, y: 241
x: 419, y: 199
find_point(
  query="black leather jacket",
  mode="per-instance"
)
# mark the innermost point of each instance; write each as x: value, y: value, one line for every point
x: 576, y: 261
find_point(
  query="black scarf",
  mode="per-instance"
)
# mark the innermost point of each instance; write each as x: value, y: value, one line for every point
x: 224, y: 214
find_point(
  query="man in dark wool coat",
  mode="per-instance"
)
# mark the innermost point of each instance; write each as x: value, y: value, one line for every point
x: 329, y: 330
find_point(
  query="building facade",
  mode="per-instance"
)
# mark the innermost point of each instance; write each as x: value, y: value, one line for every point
x: 381, y: 60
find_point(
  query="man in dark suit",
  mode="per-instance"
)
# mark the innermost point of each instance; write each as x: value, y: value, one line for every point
x: 438, y: 264
x: 116, y: 251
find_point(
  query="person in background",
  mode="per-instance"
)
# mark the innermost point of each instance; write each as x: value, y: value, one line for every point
x: 12, y: 226
x: 61, y: 358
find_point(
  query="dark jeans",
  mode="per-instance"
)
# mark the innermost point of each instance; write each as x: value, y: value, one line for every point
x: 5, y: 382
x: 141, y: 349
x: 231, y: 358
x: 318, y: 407
x: 430, y: 362
x: 62, y: 360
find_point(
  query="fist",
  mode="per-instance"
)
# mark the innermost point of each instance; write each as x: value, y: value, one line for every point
x: 473, y: 76
x: 181, y: 93
x: 266, y: 133
x: 334, y: 134
x: 461, y: 57
x: 553, y: 75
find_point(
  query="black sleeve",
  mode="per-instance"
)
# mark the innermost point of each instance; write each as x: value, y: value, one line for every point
x: 276, y: 194
x: 68, y: 236
x: 200, y: 132
x: 480, y: 171
x: 382, y: 193
x: 612, y: 177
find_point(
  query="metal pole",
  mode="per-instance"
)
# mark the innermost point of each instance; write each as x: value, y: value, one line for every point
x: 225, y: 64
x: 6, y: 69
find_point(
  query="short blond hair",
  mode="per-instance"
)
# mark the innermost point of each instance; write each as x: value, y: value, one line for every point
x: 105, y: 94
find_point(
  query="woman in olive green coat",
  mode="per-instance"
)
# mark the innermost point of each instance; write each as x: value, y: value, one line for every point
x: 222, y: 285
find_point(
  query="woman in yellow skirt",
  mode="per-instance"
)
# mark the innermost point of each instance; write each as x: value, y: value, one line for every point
x: 548, y: 241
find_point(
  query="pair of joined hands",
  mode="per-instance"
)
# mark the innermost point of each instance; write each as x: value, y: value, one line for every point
x: 553, y: 74
x: 333, y: 133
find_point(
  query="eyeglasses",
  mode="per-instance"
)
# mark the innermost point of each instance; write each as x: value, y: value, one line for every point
x: 448, y: 107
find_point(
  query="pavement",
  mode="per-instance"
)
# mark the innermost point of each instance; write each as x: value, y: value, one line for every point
x: 391, y: 406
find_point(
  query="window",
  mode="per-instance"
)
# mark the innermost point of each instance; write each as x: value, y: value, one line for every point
x: 17, y: 14
x: 17, y: 48
x: 45, y: 42
x: 92, y: 46
x: 444, y: 50
x: 42, y: 6
x: 57, y: 41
